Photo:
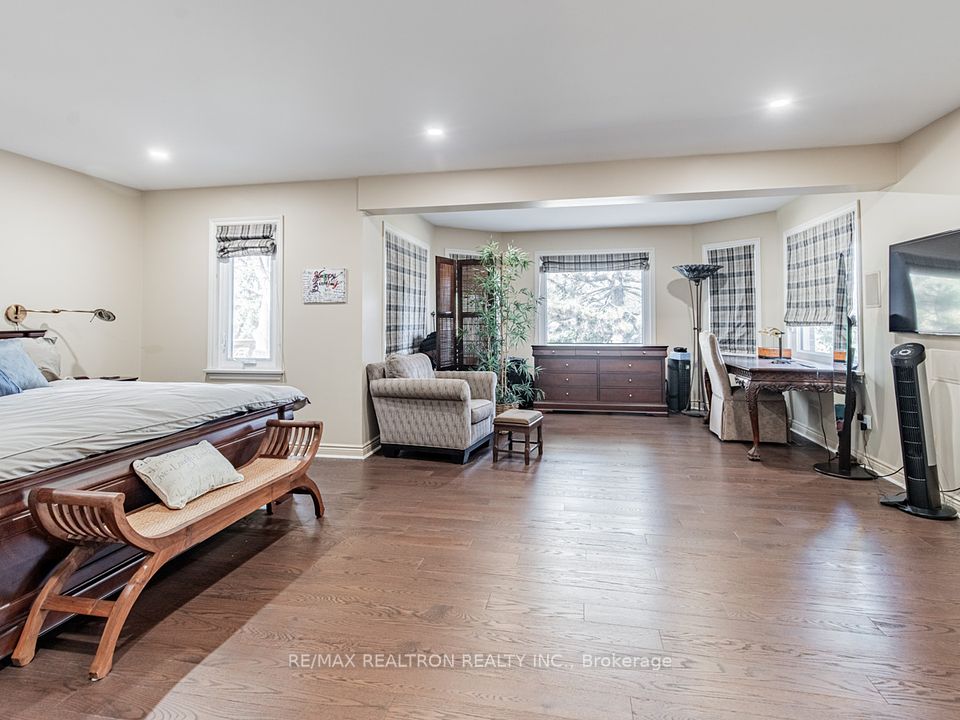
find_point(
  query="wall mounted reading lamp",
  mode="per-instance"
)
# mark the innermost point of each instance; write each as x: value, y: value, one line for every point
x: 18, y: 313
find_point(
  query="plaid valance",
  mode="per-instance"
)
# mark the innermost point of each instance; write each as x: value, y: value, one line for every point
x: 405, y: 268
x: 597, y: 262
x: 819, y: 265
x: 238, y: 240
x: 733, y: 298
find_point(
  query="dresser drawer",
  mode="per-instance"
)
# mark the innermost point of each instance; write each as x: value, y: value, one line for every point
x: 598, y: 353
x: 572, y: 393
x: 631, y: 395
x: 567, y: 365
x: 556, y: 379
x: 630, y: 365
x: 546, y: 351
x: 627, y: 380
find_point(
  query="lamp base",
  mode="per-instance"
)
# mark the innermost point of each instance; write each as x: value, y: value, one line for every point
x: 831, y: 468
x: 15, y: 313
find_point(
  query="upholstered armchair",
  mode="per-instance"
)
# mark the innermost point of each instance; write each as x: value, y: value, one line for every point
x: 448, y: 412
x: 729, y: 415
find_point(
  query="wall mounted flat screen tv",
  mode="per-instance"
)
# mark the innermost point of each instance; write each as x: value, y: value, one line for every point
x: 925, y: 285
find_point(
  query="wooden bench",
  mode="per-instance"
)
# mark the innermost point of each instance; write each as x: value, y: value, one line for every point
x: 90, y: 520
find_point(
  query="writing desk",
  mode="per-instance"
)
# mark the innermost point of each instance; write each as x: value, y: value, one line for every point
x: 755, y: 374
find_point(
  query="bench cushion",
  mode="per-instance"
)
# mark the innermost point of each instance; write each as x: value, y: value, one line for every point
x: 183, y: 475
x: 156, y: 520
x: 519, y: 417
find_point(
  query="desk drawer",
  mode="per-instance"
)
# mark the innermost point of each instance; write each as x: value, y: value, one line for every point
x: 557, y: 379
x: 566, y: 365
x: 570, y: 393
x: 629, y: 380
x: 635, y: 365
x: 631, y: 395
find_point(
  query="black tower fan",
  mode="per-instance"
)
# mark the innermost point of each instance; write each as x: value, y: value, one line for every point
x: 922, y: 497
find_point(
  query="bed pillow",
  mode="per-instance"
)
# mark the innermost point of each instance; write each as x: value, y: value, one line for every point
x: 183, y: 475
x: 44, y: 354
x: 8, y: 386
x: 18, y: 366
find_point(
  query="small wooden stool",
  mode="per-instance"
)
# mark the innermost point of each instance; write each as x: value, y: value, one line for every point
x: 512, y: 421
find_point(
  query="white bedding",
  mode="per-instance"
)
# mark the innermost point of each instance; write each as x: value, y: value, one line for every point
x: 74, y: 419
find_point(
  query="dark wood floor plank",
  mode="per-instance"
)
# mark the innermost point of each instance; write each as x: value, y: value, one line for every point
x: 773, y: 592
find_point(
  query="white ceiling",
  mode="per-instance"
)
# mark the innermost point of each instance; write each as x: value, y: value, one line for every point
x: 685, y: 212
x: 244, y: 91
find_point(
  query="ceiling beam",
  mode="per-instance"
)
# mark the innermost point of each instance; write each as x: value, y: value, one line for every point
x: 858, y: 168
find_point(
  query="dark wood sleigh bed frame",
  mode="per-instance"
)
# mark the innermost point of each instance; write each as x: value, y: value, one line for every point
x: 28, y: 556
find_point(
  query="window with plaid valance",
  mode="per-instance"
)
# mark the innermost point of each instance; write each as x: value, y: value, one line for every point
x: 819, y: 275
x: 595, y: 262
x: 243, y: 240
x: 733, y: 297
x: 405, y: 287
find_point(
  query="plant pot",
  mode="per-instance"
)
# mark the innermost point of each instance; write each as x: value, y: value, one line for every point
x: 503, y: 407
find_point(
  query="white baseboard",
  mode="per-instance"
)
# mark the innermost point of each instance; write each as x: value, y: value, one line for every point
x: 870, y: 461
x: 813, y: 434
x: 349, y: 452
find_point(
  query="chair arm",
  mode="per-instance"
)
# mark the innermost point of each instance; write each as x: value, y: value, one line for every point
x: 483, y: 384
x: 421, y: 389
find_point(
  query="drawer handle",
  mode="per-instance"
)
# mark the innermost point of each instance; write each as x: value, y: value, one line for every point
x: 566, y: 379
x: 643, y: 352
x: 630, y: 395
x: 566, y: 364
x: 629, y: 365
x: 629, y: 379
x: 567, y: 394
x: 598, y: 352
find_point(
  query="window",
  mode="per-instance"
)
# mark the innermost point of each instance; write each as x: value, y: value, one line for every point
x: 405, y: 292
x: 596, y: 298
x: 245, y: 297
x: 732, y: 298
x: 822, y: 264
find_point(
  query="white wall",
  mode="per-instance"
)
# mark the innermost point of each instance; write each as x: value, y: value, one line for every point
x: 322, y: 344
x: 72, y: 241
x: 926, y: 200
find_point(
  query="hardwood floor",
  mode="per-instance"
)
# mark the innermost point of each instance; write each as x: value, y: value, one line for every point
x: 771, y: 592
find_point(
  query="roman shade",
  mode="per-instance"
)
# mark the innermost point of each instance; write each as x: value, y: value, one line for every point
x: 405, y: 270
x: 599, y: 262
x: 732, y: 298
x: 239, y: 240
x: 819, y: 265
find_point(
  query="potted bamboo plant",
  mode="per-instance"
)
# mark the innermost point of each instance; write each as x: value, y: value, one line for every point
x: 506, y: 313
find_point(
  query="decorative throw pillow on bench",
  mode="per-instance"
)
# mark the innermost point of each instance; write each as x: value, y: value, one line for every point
x: 183, y: 475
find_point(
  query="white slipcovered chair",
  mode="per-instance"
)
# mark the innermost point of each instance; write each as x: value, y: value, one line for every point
x: 729, y: 415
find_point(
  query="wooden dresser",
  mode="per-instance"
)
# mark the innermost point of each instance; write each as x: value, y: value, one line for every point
x: 602, y: 378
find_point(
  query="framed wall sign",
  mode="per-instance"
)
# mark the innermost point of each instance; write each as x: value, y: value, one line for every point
x: 325, y: 285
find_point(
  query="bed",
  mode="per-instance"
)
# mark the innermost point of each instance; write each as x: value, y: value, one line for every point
x: 84, y: 434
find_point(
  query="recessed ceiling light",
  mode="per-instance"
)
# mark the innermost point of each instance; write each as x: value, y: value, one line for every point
x: 435, y: 132
x: 779, y: 103
x: 158, y: 154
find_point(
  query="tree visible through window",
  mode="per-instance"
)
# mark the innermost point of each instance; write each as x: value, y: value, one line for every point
x: 250, y: 331
x: 595, y: 306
